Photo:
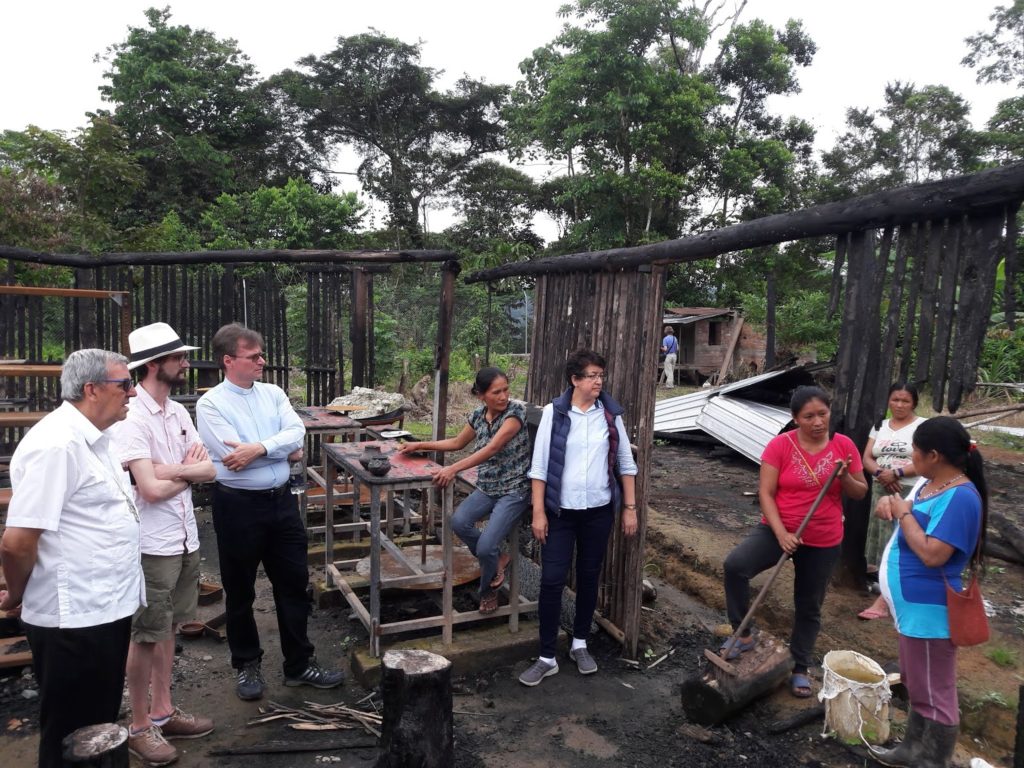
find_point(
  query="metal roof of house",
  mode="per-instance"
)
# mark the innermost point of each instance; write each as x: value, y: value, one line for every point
x: 743, y: 425
x: 687, y: 315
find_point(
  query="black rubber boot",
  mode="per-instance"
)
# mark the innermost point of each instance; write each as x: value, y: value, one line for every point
x: 939, y: 744
x: 908, y: 753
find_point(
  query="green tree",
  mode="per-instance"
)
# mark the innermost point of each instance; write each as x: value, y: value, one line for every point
x: 93, y: 171
x: 999, y: 55
x: 293, y: 216
x: 372, y: 93
x: 919, y: 134
x: 497, y: 204
x: 615, y: 99
x: 196, y: 117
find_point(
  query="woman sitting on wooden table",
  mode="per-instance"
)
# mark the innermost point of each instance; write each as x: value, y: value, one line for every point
x: 794, y: 465
x: 502, y: 488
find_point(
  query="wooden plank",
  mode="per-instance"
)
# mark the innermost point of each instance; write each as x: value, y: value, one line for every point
x: 80, y: 293
x: 25, y: 370
x: 945, y: 309
x: 20, y: 418
x: 11, y: 660
x: 929, y: 291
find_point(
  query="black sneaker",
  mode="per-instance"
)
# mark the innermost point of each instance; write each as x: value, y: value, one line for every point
x: 250, y: 682
x: 316, y: 676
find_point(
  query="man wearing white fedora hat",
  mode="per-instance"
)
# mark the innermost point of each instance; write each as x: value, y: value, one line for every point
x: 160, y: 447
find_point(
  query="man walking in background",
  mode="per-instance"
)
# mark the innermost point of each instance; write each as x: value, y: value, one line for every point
x: 71, y: 550
x: 161, y: 449
x: 670, y: 347
x: 251, y: 432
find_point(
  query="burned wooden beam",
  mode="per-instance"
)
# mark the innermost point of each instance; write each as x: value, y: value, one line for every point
x: 935, y: 200
x: 277, y: 255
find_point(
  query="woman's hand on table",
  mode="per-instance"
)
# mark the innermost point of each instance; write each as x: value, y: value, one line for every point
x: 444, y: 476
x: 411, y: 448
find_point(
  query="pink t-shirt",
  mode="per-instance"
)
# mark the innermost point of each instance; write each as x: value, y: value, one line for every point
x: 798, y: 487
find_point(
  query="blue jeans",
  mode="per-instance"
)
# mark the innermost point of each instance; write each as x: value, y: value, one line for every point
x: 505, y: 511
x: 586, y: 531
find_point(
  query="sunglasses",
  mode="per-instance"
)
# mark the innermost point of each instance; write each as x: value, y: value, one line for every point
x: 125, y: 384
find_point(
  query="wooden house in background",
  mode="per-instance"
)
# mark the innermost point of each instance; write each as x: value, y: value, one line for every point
x: 714, y: 342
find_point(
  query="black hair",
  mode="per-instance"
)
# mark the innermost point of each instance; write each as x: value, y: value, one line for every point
x: 578, y: 361
x: 904, y: 386
x: 485, y: 377
x: 947, y: 436
x: 803, y: 395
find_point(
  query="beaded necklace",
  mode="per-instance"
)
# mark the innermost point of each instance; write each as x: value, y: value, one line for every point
x: 922, y: 495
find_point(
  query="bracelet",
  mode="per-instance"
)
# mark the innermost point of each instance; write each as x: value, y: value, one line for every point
x: 900, y: 518
x: 900, y: 471
x: 629, y: 506
x: 878, y: 472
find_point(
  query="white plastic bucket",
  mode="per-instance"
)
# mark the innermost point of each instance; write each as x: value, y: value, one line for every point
x: 856, y: 693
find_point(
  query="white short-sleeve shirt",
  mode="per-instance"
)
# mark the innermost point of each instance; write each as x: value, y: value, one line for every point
x: 163, y: 435
x: 68, y: 483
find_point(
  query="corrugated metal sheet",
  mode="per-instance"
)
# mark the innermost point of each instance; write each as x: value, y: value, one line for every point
x: 679, y: 414
x: 743, y: 425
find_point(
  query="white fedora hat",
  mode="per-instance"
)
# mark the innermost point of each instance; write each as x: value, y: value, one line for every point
x: 152, y: 341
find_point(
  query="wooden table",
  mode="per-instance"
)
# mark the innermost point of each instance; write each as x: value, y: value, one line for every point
x: 408, y: 472
x: 321, y: 423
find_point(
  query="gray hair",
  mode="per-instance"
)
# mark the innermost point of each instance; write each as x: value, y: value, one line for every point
x: 83, y: 366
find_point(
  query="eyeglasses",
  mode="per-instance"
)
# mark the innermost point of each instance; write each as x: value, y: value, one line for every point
x: 179, y: 358
x: 251, y: 358
x: 125, y: 384
x: 594, y: 376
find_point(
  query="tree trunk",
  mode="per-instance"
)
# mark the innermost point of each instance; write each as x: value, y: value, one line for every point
x: 417, y: 730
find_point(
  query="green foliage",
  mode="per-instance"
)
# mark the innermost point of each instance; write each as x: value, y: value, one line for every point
x: 293, y: 216
x: 1002, y: 356
x: 801, y: 323
x: 997, y: 54
x: 372, y: 93
x: 195, y: 117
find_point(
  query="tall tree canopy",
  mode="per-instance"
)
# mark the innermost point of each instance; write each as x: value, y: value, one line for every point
x: 372, y: 93
x: 196, y: 117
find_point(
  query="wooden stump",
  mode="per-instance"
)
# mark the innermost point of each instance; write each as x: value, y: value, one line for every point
x: 416, y: 731
x: 101, y: 746
x: 710, y: 697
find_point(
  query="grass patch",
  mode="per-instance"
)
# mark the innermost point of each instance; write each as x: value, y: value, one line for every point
x: 1002, y: 656
x: 1000, y: 440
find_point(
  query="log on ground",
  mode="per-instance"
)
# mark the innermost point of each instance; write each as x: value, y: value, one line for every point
x: 417, y: 730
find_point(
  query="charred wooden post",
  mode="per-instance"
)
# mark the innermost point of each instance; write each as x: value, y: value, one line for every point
x: 97, y: 746
x: 915, y: 276
x: 945, y: 311
x: 1010, y: 271
x: 443, y: 352
x: 929, y: 289
x: 371, y: 343
x: 417, y: 730
x: 1018, y: 749
x: 357, y: 328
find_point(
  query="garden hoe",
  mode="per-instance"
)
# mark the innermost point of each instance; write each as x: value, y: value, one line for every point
x: 725, y: 687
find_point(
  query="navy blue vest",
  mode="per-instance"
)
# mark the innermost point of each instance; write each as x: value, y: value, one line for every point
x: 556, y: 452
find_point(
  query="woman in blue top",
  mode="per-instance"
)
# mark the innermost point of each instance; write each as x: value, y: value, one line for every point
x: 502, y: 488
x: 937, y: 535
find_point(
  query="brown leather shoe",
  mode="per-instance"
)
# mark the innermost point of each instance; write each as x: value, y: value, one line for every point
x: 183, y: 726
x: 152, y: 747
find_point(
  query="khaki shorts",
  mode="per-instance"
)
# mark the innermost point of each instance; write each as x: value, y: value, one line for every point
x: 172, y: 592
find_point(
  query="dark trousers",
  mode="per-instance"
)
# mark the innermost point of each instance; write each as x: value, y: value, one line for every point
x: 587, y: 531
x: 254, y: 528
x: 80, y: 673
x: 760, y: 551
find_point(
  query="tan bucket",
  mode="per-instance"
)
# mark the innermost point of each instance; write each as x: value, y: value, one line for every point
x: 856, y: 695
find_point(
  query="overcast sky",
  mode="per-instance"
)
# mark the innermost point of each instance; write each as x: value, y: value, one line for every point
x: 49, y: 78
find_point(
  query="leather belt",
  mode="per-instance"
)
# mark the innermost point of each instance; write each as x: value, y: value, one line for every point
x: 260, y: 493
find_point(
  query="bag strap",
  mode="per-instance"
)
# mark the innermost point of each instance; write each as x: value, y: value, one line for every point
x: 800, y: 453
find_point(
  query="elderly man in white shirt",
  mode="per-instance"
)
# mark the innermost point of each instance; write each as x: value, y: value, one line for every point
x: 160, y: 447
x: 71, y: 550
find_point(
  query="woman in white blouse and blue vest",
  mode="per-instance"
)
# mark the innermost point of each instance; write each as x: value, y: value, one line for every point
x: 582, y: 474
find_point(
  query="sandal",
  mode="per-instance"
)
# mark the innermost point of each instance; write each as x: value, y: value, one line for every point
x: 800, y: 686
x: 742, y: 645
x: 504, y: 561
x: 489, y: 603
x: 872, y: 613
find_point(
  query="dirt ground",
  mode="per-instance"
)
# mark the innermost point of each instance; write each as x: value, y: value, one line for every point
x: 623, y: 716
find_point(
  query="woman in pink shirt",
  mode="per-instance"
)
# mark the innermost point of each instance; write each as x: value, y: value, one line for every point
x: 794, y: 466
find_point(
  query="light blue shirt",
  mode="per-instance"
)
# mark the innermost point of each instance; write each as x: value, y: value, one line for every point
x: 585, y: 478
x: 261, y: 414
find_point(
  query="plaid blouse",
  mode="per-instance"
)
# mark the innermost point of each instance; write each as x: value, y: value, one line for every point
x: 505, y: 471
